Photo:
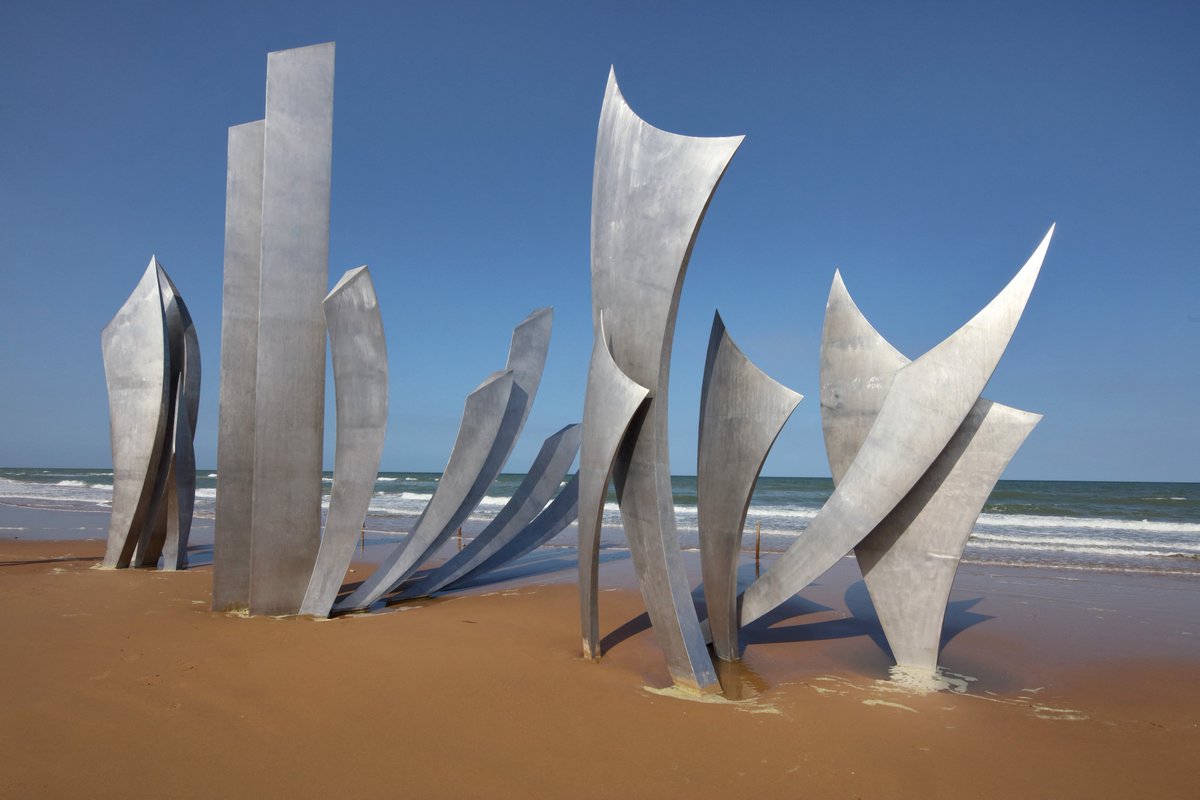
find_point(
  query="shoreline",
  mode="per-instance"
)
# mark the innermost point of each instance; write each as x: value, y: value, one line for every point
x: 121, y: 681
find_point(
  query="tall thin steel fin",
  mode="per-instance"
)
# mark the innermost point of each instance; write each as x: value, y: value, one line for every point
x: 938, y: 390
x: 742, y: 411
x: 289, y: 392
x: 239, y: 357
x: 360, y: 376
x: 611, y: 403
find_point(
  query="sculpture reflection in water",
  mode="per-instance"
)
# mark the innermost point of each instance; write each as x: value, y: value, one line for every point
x: 152, y: 369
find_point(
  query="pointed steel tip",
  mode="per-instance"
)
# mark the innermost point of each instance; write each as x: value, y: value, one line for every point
x: 838, y: 290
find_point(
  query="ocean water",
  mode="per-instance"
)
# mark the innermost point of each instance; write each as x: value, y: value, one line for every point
x: 1080, y: 525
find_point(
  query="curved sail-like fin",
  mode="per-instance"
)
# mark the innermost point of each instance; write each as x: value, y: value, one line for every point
x: 742, y: 411
x: 927, y: 402
x: 612, y: 401
x: 360, y: 376
x: 136, y: 370
x: 238, y: 369
x: 857, y: 369
x: 482, y: 419
x: 176, y: 495
x: 553, y: 520
x: 542, y: 480
x: 486, y: 439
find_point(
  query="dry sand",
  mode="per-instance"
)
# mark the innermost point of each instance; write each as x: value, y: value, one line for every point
x: 124, y: 684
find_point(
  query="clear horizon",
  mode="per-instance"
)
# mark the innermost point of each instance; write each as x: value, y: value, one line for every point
x: 921, y: 149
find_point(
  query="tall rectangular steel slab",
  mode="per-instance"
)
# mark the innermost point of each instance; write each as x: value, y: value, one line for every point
x: 239, y: 356
x: 289, y: 397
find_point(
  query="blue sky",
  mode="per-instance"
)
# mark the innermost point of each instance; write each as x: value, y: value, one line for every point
x: 923, y: 148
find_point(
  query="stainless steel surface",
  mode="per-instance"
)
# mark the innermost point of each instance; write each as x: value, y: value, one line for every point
x: 742, y: 411
x: 360, y: 375
x: 289, y: 397
x: 492, y: 421
x: 239, y: 357
x: 180, y: 486
x: 928, y: 401
x: 541, y: 482
x: 553, y: 520
x: 650, y: 191
x: 610, y: 405
x: 910, y: 558
x: 164, y: 505
x: 481, y: 421
x: 136, y: 372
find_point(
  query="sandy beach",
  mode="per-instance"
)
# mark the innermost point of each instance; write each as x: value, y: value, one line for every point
x: 123, y: 683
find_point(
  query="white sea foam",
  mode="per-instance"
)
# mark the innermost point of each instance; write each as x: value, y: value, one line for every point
x: 1009, y: 521
x: 1051, y: 541
x: 71, y: 483
x: 385, y: 480
x: 1128, y: 552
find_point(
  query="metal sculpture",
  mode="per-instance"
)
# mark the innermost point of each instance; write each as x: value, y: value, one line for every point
x: 650, y: 191
x: 174, y: 522
x: 493, y: 418
x: 134, y: 344
x: 926, y: 404
x: 239, y: 359
x: 544, y: 477
x: 360, y: 375
x: 152, y: 367
x: 909, y: 560
x: 742, y: 411
x: 289, y: 392
x: 273, y: 340
x: 553, y: 520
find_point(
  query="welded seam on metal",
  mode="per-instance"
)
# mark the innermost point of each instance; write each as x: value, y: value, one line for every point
x: 239, y: 357
x: 539, y: 485
x: 134, y: 346
x: 928, y: 401
x: 910, y: 558
x: 650, y: 192
x: 360, y: 375
x: 742, y: 411
x: 494, y: 416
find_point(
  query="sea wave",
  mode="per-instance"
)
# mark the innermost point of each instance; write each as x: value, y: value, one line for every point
x: 1084, y: 523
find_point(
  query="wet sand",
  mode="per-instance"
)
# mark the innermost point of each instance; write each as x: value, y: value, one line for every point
x: 124, y: 684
